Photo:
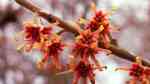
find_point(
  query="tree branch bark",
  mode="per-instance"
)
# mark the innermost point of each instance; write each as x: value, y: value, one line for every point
x: 119, y: 52
x: 49, y: 17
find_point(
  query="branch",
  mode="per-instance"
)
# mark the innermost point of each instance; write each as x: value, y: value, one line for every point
x: 119, y: 52
x: 49, y: 17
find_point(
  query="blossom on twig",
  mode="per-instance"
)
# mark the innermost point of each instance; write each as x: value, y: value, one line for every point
x: 86, y: 46
x: 85, y: 71
x: 51, y: 51
x: 34, y: 34
x: 138, y: 72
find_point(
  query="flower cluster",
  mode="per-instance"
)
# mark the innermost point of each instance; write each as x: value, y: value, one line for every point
x: 85, y: 71
x: 100, y: 21
x: 86, y: 46
x: 138, y: 73
x: 41, y: 37
x: 35, y: 34
x: 52, y: 50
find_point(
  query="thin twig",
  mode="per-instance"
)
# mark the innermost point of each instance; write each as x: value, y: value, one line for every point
x: 49, y: 17
x: 121, y: 53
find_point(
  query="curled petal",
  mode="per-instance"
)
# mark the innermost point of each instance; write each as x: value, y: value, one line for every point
x: 96, y: 61
x: 122, y: 68
x: 55, y: 61
x: 145, y: 81
x: 64, y: 72
x: 91, y: 78
x: 106, y: 40
x: 147, y: 71
x: 76, y: 78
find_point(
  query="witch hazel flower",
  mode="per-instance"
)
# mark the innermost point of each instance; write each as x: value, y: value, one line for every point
x: 51, y: 52
x: 34, y: 34
x: 86, y: 46
x: 83, y: 71
x: 100, y: 20
x: 138, y: 72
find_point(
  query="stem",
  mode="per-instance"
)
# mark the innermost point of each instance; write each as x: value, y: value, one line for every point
x: 126, y: 55
x: 49, y: 17
x: 119, y: 52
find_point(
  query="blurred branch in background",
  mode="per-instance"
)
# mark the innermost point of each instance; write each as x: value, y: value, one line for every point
x: 9, y: 15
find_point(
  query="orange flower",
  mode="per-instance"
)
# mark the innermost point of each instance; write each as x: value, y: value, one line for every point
x: 146, y: 76
x: 88, y: 37
x: 138, y: 72
x: 87, y: 46
x: 46, y: 30
x: 34, y: 34
x: 85, y: 71
x: 82, y: 70
x: 100, y: 21
x: 147, y: 71
x: 52, y: 51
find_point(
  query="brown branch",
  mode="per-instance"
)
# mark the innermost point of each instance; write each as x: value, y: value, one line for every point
x: 119, y: 52
x: 49, y: 17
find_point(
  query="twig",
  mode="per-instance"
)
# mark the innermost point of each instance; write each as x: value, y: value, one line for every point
x: 119, y: 52
x: 49, y: 17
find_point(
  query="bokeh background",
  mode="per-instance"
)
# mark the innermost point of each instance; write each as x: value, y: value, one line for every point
x: 132, y: 17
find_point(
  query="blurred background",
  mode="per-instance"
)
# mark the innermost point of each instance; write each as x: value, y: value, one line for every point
x: 132, y: 17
